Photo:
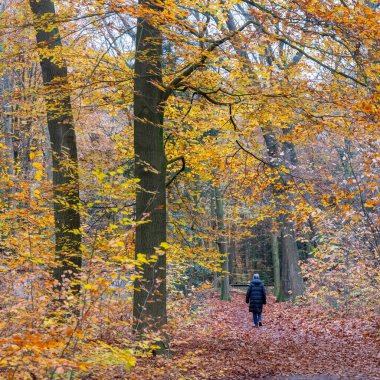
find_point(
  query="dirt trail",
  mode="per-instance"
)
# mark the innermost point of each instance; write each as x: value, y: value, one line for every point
x: 295, y: 343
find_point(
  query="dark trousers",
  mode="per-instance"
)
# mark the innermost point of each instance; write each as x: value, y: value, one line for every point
x: 257, y: 317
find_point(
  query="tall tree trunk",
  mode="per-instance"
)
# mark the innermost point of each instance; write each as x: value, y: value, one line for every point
x: 222, y: 245
x: 149, y: 302
x: 63, y: 146
x: 7, y: 109
x: 232, y: 254
x: 291, y: 280
x: 291, y: 284
x: 7, y: 120
x: 276, y: 263
x: 213, y: 227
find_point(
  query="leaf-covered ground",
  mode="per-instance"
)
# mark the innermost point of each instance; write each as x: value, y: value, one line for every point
x: 295, y: 342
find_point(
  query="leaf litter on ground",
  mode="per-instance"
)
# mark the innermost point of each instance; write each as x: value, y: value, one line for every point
x: 295, y: 342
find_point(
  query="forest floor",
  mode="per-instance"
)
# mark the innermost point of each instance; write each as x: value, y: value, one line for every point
x: 295, y: 342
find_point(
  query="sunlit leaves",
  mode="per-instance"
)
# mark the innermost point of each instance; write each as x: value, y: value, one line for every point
x: 249, y: 86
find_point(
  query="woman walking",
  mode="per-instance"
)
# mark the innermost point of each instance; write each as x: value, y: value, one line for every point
x: 256, y: 297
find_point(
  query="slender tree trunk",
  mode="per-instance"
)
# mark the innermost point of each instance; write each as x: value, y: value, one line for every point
x: 6, y: 87
x: 232, y: 255
x: 48, y: 158
x: 149, y: 302
x: 276, y: 263
x: 213, y: 227
x: 7, y: 120
x: 222, y: 245
x: 63, y: 146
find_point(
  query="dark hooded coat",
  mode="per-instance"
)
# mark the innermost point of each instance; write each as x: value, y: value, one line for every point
x: 256, y: 296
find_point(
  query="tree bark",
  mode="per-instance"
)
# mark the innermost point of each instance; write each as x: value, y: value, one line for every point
x: 291, y: 284
x: 232, y: 255
x: 6, y: 87
x: 7, y: 120
x: 291, y: 279
x: 276, y: 263
x: 63, y: 146
x: 149, y: 302
x: 222, y: 245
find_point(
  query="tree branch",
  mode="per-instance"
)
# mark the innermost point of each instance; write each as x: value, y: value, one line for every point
x: 182, y: 159
x: 302, y: 52
x: 186, y: 73
x: 252, y: 154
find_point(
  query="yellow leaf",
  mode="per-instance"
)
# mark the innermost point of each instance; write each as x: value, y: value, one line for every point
x: 38, y: 175
x: 164, y: 245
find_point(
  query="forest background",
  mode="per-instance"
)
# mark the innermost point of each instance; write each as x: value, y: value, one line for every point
x: 152, y: 148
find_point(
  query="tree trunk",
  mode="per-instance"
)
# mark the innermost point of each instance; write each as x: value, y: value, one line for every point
x: 7, y: 120
x: 222, y: 245
x: 63, y: 146
x: 149, y: 302
x: 213, y: 228
x: 291, y: 284
x: 276, y: 264
x: 291, y: 279
x: 232, y: 255
x: 7, y: 109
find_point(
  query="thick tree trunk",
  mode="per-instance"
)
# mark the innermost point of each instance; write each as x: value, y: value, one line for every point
x: 63, y: 146
x: 222, y: 245
x: 149, y: 302
x: 291, y: 279
x: 291, y: 284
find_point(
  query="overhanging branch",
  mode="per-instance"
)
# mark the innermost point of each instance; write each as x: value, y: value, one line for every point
x: 186, y: 73
x: 182, y: 159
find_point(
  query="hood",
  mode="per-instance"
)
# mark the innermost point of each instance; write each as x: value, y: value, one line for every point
x: 256, y: 281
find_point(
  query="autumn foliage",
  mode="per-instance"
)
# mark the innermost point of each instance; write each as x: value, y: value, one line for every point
x: 265, y: 121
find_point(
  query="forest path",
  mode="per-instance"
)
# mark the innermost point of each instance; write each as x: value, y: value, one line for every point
x: 295, y: 342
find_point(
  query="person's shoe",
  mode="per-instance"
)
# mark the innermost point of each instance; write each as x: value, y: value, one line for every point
x: 260, y: 323
x: 256, y: 325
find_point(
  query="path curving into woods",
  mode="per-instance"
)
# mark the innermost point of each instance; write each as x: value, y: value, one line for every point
x: 295, y: 343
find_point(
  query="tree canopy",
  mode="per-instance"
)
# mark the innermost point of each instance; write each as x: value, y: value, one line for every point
x: 153, y: 149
